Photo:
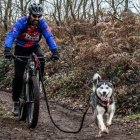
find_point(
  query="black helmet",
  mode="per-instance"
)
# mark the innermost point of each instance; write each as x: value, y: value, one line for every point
x: 36, y: 9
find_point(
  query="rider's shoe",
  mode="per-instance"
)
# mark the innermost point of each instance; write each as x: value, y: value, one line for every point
x: 15, y: 109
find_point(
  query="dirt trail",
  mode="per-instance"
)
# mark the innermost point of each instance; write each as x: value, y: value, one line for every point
x: 12, y: 129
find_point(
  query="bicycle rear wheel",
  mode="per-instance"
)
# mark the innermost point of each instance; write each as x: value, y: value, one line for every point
x: 33, y: 104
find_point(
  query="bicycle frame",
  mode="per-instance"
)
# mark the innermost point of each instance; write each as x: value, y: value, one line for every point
x: 32, y: 69
x: 33, y: 65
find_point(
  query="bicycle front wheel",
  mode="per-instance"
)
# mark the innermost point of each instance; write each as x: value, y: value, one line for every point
x: 33, y: 104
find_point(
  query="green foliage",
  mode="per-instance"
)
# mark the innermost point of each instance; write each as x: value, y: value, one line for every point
x: 132, y: 117
x: 2, y: 68
x: 5, y: 73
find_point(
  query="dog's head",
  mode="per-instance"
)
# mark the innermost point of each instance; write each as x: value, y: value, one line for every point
x: 103, y: 88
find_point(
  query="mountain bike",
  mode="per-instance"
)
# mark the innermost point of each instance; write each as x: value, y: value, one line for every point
x: 30, y: 97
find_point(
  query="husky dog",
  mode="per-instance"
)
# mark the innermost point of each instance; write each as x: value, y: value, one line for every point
x: 102, y: 103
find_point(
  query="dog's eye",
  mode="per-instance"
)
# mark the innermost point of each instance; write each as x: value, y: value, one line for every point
x: 107, y: 87
x: 101, y: 87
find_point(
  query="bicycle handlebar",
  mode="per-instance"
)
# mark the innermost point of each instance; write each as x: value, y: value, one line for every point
x: 19, y: 58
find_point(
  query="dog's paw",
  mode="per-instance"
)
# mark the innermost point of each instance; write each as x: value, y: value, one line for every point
x: 98, y: 136
x: 108, y: 124
x: 106, y: 130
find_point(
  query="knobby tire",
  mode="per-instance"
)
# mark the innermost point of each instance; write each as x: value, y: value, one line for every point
x: 33, y: 105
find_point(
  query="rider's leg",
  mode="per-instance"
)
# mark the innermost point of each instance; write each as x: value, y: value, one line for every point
x: 19, y: 69
x: 17, y: 87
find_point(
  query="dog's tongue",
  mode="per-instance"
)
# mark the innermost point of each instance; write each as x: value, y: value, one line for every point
x: 104, y: 99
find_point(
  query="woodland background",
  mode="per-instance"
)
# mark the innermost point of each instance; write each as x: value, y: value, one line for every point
x: 93, y: 36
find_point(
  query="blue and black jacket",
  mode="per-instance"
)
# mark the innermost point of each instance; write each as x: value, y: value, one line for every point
x: 27, y: 36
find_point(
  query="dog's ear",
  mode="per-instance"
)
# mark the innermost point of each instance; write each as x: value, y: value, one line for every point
x: 110, y: 84
x: 110, y: 80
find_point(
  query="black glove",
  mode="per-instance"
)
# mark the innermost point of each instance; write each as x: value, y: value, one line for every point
x: 7, y: 53
x: 55, y: 55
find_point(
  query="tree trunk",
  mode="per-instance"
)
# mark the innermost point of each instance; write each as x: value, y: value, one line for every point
x: 7, y: 9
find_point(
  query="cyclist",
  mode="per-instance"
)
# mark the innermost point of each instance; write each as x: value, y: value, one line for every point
x: 27, y: 33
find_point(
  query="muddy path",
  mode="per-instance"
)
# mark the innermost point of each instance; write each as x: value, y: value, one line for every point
x: 12, y: 129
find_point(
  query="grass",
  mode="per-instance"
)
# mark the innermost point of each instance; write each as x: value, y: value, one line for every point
x: 132, y: 117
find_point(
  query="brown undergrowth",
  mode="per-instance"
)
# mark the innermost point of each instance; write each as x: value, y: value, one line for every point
x: 111, y: 48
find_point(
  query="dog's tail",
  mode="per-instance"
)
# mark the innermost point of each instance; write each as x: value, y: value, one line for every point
x: 96, y: 79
